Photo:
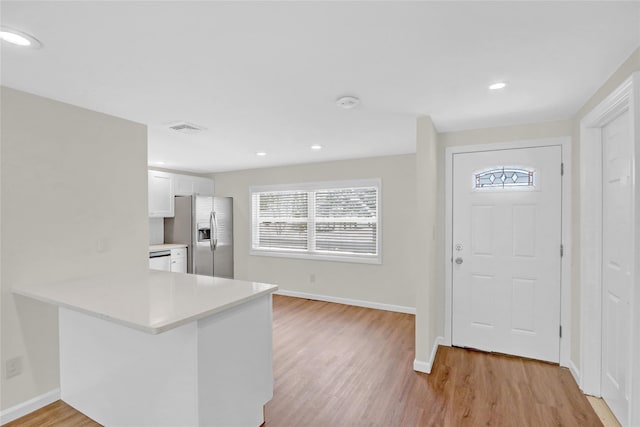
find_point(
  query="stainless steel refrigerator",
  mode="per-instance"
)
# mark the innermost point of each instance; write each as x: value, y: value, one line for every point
x: 205, y: 225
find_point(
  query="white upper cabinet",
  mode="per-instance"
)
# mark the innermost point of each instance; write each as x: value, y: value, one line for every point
x: 163, y: 186
x: 183, y: 185
x: 161, y: 192
x: 204, y: 186
x: 187, y: 185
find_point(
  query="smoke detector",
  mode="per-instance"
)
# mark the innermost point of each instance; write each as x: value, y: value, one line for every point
x: 347, y: 102
x: 186, y: 127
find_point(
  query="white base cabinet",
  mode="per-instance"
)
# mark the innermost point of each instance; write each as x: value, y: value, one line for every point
x: 215, y: 371
x: 179, y: 260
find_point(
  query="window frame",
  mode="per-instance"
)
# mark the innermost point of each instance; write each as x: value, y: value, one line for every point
x: 308, y: 253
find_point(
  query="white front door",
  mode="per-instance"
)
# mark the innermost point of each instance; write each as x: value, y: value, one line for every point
x: 617, y: 263
x: 506, y: 264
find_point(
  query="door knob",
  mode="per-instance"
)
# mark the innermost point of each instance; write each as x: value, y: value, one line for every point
x: 458, y: 260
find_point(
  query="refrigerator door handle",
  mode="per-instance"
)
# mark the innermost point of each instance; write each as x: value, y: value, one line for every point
x: 214, y: 236
x: 211, y: 232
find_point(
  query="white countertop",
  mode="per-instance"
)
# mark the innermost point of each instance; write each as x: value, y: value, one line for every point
x: 165, y: 247
x: 148, y: 300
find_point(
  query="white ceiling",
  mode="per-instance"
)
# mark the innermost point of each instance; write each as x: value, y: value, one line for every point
x: 264, y: 76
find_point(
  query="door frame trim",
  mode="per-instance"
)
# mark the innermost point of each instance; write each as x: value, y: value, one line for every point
x: 565, y: 263
x: 625, y: 98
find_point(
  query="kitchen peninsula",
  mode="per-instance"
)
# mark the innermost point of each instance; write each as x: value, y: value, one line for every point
x: 154, y: 348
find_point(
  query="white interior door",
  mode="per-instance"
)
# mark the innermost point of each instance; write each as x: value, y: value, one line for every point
x: 506, y: 256
x: 617, y: 260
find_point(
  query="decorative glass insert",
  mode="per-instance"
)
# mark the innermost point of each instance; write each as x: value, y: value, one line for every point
x: 507, y: 176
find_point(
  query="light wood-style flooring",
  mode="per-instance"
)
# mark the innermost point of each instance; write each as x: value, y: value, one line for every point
x: 338, y: 365
x: 56, y: 414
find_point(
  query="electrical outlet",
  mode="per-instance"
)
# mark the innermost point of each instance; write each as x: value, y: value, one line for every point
x: 13, y: 367
x: 102, y: 245
x: 312, y: 278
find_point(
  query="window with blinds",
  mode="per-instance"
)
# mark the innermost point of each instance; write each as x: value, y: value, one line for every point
x: 335, y: 221
x: 282, y: 220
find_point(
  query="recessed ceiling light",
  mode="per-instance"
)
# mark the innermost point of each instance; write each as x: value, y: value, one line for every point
x: 261, y: 153
x: 19, y: 38
x: 316, y: 147
x: 498, y: 85
x: 347, y: 102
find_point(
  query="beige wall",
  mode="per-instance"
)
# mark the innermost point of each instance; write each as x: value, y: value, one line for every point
x: 430, y: 295
x: 74, y: 185
x: 505, y: 134
x: 625, y: 70
x: 392, y: 282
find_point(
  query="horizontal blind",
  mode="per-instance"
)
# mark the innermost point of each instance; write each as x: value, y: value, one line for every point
x: 282, y: 220
x: 346, y: 221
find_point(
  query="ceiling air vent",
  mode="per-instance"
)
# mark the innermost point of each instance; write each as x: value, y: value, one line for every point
x: 186, y: 127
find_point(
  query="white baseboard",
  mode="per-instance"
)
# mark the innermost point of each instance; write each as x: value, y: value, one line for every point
x: 575, y: 372
x: 420, y: 366
x: 425, y: 367
x: 348, y: 301
x: 27, y: 407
